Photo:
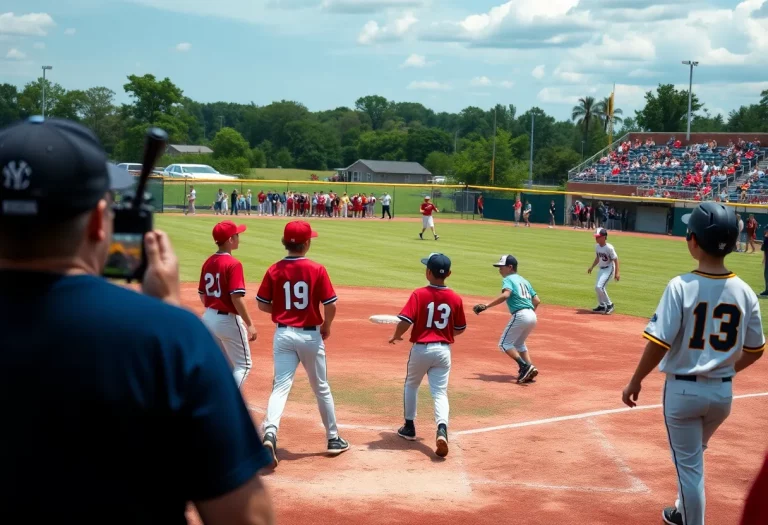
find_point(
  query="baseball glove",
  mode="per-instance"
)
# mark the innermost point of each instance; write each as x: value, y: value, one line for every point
x: 479, y: 308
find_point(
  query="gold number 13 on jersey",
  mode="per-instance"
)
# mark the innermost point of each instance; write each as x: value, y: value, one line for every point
x: 722, y: 340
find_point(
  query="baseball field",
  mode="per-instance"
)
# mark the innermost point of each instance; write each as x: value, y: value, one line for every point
x: 561, y: 450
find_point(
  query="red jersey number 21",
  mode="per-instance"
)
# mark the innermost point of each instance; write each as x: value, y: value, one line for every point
x: 296, y: 296
x: 209, y: 282
x: 445, y: 313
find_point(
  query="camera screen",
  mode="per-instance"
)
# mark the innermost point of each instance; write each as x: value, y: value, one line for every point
x: 124, y: 255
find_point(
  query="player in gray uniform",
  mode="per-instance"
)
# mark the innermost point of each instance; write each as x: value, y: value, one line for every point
x: 605, y: 256
x: 706, y: 329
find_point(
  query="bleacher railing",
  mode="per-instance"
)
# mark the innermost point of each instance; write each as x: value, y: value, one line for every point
x: 600, y: 154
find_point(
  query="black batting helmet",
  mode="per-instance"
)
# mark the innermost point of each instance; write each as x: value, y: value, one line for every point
x: 715, y: 227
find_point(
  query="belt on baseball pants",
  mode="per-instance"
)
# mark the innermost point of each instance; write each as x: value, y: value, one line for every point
x: 305, y: 328
x: 221, y: 312
x: 693, y: 378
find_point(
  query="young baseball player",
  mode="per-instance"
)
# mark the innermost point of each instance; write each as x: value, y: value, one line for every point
x: 222, y: 292
x: 605, y: 256
x: 436, y: 314
x: 552, y: 212
x: 426, y: 217
x: 518, y: 210
x: 291, y: 292
x: 522, y: 301
x: 706, y: 329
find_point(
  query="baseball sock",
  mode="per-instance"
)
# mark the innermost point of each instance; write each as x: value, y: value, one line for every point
x: 409, y: 423
x: 521, y: 362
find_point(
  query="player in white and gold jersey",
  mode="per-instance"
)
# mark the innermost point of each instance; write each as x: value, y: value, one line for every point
x: 706, y: 329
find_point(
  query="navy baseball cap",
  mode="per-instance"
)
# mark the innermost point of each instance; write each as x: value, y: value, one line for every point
x: 53, y: 168
x: 506, y: 260
x: 437, y: 263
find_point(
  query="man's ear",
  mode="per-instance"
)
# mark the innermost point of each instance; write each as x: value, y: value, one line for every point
x: 97, y: 221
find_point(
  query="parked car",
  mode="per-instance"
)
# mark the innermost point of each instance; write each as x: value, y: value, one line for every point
x: 195, y: 171
x: 130, y: 167
x: 437, y: 180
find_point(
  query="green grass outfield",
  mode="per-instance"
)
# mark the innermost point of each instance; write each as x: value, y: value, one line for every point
x: 406, y: 199
x: 288, y: 174
x: 386, y: 254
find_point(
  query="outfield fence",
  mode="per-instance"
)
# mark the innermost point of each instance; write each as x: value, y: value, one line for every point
x: 641, y: 213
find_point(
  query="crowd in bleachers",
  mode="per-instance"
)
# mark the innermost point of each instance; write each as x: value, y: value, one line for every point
x: 700, y: 171
x: 752, y: 190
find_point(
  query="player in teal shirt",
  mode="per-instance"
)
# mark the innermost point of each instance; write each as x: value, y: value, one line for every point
x: 522, y: 301
x: 521, y: 292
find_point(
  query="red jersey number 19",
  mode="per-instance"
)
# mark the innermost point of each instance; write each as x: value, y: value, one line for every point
x: 209, y: 282
x: 445, y: 314
x: 300, y: 292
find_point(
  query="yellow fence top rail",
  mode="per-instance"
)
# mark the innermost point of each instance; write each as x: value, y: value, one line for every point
x: 300, y: 182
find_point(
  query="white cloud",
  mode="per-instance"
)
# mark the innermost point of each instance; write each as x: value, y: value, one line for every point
x: 507, y: 84
x: 372, y: 32
x: 538, y: 71
x: 39, y: 45
x: 480, y: 81
x: 32, y: 24
x: 415, y: 60
x: 643, y: 73
x: 555, y: 95
x: 70, y: 31
x: 15, y: 54
x: 368, y: 6
x: 429, y: 85
x: 183, y: 47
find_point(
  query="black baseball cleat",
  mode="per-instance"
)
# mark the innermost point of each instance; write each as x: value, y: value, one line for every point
x: 441, y: 441
x: 437, y: 237
x: 337, y: 445
x: 609, y: 309
x: 600, y: 308
x: 764, y: 294
x: 408, y: 433
x: 270, y: 442
x: 671, y: 516
x: 421, y: 236
x: 527, y: 372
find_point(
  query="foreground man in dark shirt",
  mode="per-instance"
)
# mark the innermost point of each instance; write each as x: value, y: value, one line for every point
x: 117, y: 407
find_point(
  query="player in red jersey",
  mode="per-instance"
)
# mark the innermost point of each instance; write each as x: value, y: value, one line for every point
x: 436, y: 314
x: 756, y: 507
x: 426, y: 217
x: 222, y: 292
x: 291, y: 291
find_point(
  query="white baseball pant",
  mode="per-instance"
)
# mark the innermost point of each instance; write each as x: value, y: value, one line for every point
x: 603, y: 276
x: 517, y: 331
x: 292, y: 346
x: 427, y: 221
x: 517, y: 214
x: 693, y: 411
x: 434, y: 361
x: 232, y: 334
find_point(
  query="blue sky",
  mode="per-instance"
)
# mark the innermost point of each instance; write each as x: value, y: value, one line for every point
x: 446, y: 54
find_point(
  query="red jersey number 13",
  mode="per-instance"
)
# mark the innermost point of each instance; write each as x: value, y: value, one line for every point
x: 445, y: 314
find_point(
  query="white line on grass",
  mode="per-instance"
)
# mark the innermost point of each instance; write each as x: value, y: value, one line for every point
x: 579, y: 416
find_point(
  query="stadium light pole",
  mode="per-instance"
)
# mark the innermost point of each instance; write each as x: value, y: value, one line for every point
x: 44, y: 70
x: 691, y: 64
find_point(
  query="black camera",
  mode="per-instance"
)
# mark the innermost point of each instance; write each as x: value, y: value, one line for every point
x: 127, y: 259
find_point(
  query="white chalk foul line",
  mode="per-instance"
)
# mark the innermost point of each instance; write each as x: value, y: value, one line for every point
x: 583, y: 415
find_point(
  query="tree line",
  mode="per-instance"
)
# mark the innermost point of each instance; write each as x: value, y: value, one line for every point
x: 286, y: 134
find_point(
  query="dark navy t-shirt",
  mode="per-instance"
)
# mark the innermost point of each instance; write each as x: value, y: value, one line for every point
x: 114, y: 407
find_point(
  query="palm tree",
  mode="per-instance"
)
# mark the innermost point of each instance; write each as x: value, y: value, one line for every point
x: 584, y: 114
x: 601, y: 110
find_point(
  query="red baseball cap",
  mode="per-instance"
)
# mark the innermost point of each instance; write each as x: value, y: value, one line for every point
x: 224, y: 230
x: 298, y: 232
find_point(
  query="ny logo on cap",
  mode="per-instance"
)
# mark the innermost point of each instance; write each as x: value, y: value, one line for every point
x: 16, y: 175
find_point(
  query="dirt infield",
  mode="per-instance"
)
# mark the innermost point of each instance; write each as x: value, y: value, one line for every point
x: 563, y: 450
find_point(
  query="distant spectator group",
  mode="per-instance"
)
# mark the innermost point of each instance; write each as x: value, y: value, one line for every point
x: 588, y: 216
